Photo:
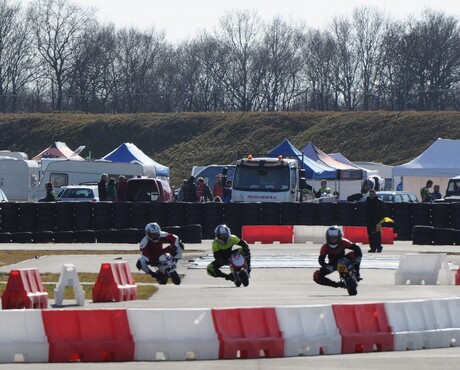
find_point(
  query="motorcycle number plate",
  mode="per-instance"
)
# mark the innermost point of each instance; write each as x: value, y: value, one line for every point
x: 237, y: 260
x: 342, y: 268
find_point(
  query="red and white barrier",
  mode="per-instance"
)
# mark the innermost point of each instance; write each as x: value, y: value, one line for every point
x: 88, y: 335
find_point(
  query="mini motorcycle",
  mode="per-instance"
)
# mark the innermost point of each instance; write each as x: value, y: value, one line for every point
x: 239, y: 269
x: 347, y: 272
x: 166, y: 268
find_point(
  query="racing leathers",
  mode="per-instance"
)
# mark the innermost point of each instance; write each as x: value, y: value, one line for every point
x: 222, y: 252
x: 151, y: 250
x: 333, y: 255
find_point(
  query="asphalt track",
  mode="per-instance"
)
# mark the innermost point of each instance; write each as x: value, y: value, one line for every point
x: 282, y: 275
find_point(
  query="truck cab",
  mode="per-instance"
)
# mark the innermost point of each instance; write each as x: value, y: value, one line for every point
x: 267, y: 179
x: 453, y: 189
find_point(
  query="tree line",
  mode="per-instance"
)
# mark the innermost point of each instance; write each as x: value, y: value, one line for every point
x: 56, y: 56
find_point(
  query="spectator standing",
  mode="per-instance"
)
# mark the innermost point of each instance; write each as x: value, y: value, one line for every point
x: 49, y: 193
x: 323, y: 190
x: 436, y: 193
x: 400, y: 186
x: 425, y: 192
x: 121, y: 186
x: 227, y: 192
x: 203, y: 191
x: 102, y: 188
x: 111, y: 191
x: 218, y: 186
x: 190, y: 191
x: 375, y: 212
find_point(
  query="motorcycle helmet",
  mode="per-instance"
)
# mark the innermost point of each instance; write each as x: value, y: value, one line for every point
x: 153, y: 230
x: 222, y: 233
x: 333, y: 236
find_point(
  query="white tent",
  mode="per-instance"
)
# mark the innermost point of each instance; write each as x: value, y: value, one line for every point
x: 439, y: 163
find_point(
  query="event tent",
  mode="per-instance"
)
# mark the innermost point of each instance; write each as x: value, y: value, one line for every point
x: 313, y: 170
x: 58, y: 150
x: 439, y: 163
x: 130, y: 153
x: 366, y: 171
x: 344, y: 171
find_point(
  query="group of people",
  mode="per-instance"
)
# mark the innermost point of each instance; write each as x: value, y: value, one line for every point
x: 200, y: 191
x: 109, y: 190
x: 427, y: 195
x: 151, y: 248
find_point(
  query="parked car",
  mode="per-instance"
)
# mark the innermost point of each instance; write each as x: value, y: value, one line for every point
x: 78, y: 193
x: 3, y: 197
x: 394, y: 196
x: 147, y: 189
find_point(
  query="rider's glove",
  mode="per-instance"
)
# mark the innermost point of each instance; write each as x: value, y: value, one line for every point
x: 330, y: 268
x: 173, y: 250
x: 357, y: 261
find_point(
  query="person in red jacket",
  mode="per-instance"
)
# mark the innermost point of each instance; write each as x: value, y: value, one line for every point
x: 151, y: 247
x: 334, y: 249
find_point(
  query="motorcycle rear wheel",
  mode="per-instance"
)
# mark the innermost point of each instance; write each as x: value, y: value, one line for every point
x: 244, y: 277
x: 175, y: 277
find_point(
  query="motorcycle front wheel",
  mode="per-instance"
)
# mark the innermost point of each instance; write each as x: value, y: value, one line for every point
x: 352, y: 286
x: 175, y: 278
x: 244, y: 277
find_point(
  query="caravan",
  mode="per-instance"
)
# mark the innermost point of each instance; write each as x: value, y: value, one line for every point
x: 19, y: 179
x: 73, y: 172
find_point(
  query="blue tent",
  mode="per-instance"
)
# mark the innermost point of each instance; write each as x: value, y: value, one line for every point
x: 313, y: 170
x: 130, y: 153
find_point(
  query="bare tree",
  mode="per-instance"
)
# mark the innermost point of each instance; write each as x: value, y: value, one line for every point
x: 369, y: 27
x: 319, y: 53
x: 58, y: 26
x: 15, y: 55
x: 280, y: 63
x: 238, y: 39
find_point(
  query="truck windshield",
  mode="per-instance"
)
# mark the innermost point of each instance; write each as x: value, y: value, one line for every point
x: 254, y: 178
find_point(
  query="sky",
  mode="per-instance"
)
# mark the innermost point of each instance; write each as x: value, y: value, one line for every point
x: 182, y: 19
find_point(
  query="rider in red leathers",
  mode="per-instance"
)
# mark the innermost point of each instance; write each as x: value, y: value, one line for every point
x: 151, y: 247
x: 334, y: 249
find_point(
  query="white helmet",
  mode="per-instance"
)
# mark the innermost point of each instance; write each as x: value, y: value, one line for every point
x: 333, y: 236
x: 222, y: 233
x: 153, y: 230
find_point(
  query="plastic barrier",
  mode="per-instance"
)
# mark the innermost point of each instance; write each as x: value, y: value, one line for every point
x: 447, y: 316
x: 309, y: 330
x: 363, y: 327
x: 457, y: 277
x: 314, y: 234
x: 24, y: 289
x: 267, y: 234
x: 423, y: 268
x: 248, y: 332
x: 413, y: 324
x: 173, y: 334
x: 67, y: 278
x: 22, y: 337
x: 88, y: 335
x: 114, y: 283
x: 358, y: 234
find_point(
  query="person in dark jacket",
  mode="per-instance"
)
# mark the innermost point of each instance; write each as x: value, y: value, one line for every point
x: 102, y: 188
x: 203, y: 191
x: 189, y: 190
x: 375, y: 212
x: 49, y: 193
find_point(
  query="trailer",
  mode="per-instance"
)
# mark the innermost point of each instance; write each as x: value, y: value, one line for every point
x: 19, y: 179
x: 74, y: 172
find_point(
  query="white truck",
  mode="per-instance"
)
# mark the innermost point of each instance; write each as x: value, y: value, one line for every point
x: 73, y: 172
x: 19, y: 179
x: 268, y: 179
